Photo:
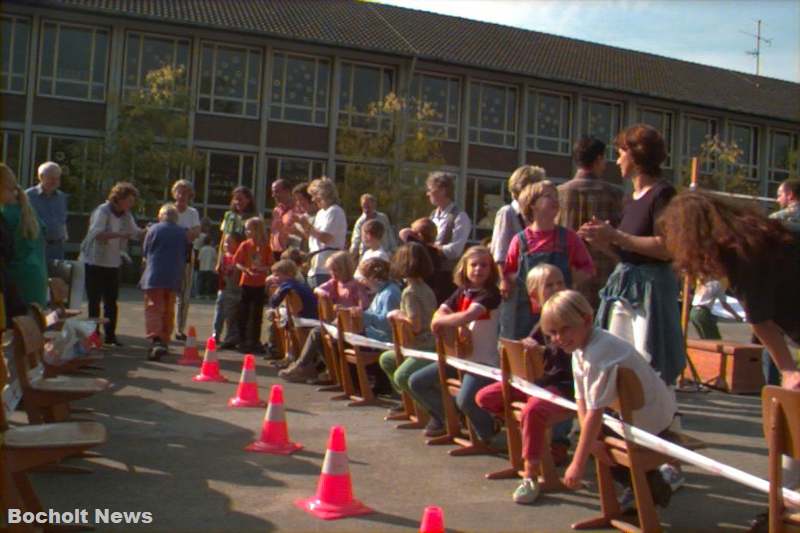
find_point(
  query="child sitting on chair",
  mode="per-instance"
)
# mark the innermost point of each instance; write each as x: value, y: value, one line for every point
x: 543, y: 281
x: 596, y: 356
x: 284, y: 280
x: 375, y: 274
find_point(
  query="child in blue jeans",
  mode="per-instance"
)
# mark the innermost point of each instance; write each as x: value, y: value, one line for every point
x: 474, y: 306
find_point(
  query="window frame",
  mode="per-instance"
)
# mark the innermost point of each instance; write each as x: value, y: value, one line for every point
x: 794, y: 144
x: 670, y: 116
x: 344, y: 112
x: 10, y: 74
x: 531, y: 119
x: 204, y: 206
x: 504, y: 132
x: 244, y: 100
x: 472, y: 210
x: 140, y: 76
x: 318, y: 60
x: 611, y: 151
x: 435, y: 125
x: 751, y: 167
x: 687, y: 157
x: 76, y: 210
x: 4, y: 135
x: 53, y: 79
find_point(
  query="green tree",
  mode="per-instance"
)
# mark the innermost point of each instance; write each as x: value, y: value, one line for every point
x: 390, y: 163
x: 148, y: 145
x: 720, y: 168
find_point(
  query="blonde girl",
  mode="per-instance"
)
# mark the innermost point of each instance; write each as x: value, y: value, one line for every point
x: 473, y: 306
x: 28, y: 269
x: 253, y: 258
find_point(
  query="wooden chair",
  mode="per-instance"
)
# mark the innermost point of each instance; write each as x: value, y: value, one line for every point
x: 59, y: 298
x: 402, y: 335
x: 781, y: 409
x: 294, y: 337
x: 454, y: 342
x: 527, y: 363
x: 26, y: 448
x: 361, y: 358
x: 45, y: 399
x: 330, y: 350
x: 279, y: 334
x: 638, y: 459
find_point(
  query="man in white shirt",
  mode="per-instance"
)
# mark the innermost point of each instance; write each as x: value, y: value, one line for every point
x: 452, y: 223
x: 369, y: 211
x: 189, y: 218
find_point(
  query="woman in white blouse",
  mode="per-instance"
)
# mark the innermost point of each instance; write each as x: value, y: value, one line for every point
x: 327, y: 233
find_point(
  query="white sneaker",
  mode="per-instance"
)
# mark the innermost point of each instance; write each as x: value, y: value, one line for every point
x: 527, y: 492
x: 672, y: 475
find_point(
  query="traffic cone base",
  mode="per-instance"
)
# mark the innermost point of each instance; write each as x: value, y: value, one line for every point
x: 191, y: 357
x: 276, y: 449
x: 239, y: 402
x: 206, y: 378
x: 327, y: 511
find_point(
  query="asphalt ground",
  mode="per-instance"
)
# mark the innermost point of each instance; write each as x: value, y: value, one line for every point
x: 176, y: 450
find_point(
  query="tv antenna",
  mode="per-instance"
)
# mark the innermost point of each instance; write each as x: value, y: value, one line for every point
x: 757, y: 51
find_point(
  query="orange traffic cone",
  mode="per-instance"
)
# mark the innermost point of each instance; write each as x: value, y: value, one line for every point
x: 209, y: 370
x: 275, y: 432
x: 247, y: 392
x: 190, y: 354
x: 334, y: 498
x: 432, y: 520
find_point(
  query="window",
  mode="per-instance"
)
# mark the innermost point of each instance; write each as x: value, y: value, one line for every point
x: 223, y: 172
x: 662, y: 121
x: 12, y: 152
x: 493, y: 114
x: 485, y: 196
x: 355, y: 179
x: 145, y: 53
x: 784, y: 157
x: 602, y: 120
x: 442, y: 94
x: 746, y: 138
x: 300, y: 89
x: 362, y: 85
x: 294, y: 170
x: 549, y: 120
x: 79, y: 159
x: 698, y: 130
x: 14, y: 64
x: 73, y: 62
x: 229, y: 80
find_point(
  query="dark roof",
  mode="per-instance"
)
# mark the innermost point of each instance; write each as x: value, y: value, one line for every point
x: 402, y: 31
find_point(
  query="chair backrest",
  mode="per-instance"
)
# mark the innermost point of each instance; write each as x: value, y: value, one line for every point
x: 325, y: 309
x: 28, y: 346
x: 453, y: 342
x: 347, y: 322
x: 781, y: 408
x: 630, y: 395
x: 524, y: 362
x: 294, y: 304
x: 59, y: 292
x: 39, y: 315
x: 402, y: 335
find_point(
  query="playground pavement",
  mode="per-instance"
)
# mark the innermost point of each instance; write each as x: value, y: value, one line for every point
x: 175, y: 450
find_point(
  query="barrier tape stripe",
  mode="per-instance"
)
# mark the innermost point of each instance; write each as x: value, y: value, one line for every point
x: 636, y: 435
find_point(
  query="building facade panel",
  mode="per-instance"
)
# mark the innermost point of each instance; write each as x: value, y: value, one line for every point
x: 12, y: 108
x: 225, y: 129
x: 297, y: 137
x: 69, y: 114
x: 557, y: 166
x: 489, y: 158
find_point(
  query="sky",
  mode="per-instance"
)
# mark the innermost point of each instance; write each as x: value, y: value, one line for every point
x: 711, y: 32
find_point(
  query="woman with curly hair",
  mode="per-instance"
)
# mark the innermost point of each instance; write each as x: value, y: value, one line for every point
x: 711, y: 238
x: 639, y: 300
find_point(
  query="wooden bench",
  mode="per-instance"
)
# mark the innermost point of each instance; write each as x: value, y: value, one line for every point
x: 403, y: 336
x: 781, y: 409
x: 526, y: 363
x: 45, y: 399
x: 730, y: 366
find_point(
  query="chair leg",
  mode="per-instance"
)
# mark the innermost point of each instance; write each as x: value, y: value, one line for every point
x: 608, y: 500
x: 645, y: 508
x: 514, y: 453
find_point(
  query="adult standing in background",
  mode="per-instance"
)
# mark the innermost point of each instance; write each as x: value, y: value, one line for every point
x: 508, y: 221
x: 327, y: 233
x: 27, y: 269
x: 111, y: 225
x: 369, y: 211
x: 189, y: 219
x: 282, y: 217
x: 51, y: 205
x: 586, y: 196
x: 789, y: 202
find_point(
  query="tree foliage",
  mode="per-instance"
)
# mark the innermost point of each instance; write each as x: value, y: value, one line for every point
x: 720, y: 168
x: 392, y: 162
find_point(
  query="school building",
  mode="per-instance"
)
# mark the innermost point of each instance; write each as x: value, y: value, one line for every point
x: 273, y: 81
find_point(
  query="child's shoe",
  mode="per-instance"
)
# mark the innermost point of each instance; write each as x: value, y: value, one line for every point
x: 672, y: 475
x: 434, y: 428
x: 527, y: 492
